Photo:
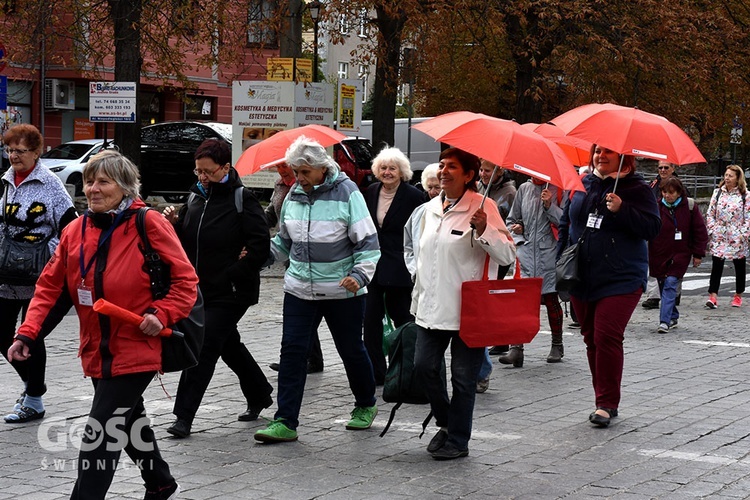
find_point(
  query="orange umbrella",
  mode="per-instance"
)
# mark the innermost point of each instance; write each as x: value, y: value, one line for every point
x: 270, y: 152
x: 577, y: 150
x: 630, y: 131
x: 504, y: 143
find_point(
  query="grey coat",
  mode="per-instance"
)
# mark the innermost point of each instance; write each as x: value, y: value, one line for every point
x: 536, y: 247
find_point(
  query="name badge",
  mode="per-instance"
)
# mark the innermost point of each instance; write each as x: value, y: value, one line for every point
x: 85, y: 295
x: 677, y: 235
x: 594, y: 221
x: 456, y: 232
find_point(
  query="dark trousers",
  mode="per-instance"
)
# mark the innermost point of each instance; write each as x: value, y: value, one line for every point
x: 31, y: 371
x: 223, y: 340
x: 554, y: 312
x: 457, y: 412
x: 397, y: 300
x: 603, y: 324
x: 301, y: 319
x: 118, y: 406
x: 717, y: 269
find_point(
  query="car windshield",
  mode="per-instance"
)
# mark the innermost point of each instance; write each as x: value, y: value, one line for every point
x: 68, y: 151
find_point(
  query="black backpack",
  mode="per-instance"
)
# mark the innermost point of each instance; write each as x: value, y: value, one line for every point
x: 180, y: 350
x: 401, y: 385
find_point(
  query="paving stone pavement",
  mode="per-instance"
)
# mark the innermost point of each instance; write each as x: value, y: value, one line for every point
x: 682, y: 431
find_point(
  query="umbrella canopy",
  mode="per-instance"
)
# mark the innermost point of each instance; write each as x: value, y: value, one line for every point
x: 630, y: 131
x: 505, y: 143
x: 577, y: 150
x: 270, y: 152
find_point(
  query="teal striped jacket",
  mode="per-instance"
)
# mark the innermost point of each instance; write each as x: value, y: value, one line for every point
x: 326, y: 235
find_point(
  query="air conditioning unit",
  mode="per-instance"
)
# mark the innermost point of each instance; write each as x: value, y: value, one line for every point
x: 59, y: 94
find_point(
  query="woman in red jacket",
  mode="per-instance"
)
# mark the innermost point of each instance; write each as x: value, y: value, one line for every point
x: 98, y: 257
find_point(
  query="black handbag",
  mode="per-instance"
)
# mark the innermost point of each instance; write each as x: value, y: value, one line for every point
x: 182, y: 351
x: 21, y: 262
x: 567, y: 274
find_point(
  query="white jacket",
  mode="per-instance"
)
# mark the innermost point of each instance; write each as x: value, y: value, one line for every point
x: 449, y: 253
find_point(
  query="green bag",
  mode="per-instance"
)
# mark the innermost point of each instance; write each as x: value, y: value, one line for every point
x: 388, y: 330
x: 401, y: 385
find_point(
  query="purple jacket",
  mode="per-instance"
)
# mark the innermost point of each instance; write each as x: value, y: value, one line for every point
x: 668, y: 256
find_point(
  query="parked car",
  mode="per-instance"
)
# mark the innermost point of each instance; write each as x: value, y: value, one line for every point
x: 167, y: 155
x: 354, y: 155
x: 67, y: 160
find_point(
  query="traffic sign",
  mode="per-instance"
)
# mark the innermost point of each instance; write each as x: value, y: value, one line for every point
x: 112, y: 102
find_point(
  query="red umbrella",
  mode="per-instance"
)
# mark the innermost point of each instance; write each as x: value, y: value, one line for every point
x: 577, y: 150
x: 505, y: 143
x: 270, y: 152
x: 630, y: 131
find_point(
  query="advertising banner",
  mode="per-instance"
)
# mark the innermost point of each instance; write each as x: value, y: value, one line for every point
x: 350, y: 106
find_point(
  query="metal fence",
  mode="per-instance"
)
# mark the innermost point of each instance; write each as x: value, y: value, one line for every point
x: 698, y: 186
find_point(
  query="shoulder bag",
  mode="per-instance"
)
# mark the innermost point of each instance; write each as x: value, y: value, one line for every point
x: 567, y: 275
x: 499, y: 312
x: 177, y: 352
x: 21, y: 262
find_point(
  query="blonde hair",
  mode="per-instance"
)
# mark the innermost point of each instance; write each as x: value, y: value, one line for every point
x: 741, y: 183
x: 117, y: 167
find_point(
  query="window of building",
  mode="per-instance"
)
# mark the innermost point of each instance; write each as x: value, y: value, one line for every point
x: 260, y: 30
x: 343, y: 70
x: 364, y: 26
x: 344, y: 27
x: 198, y: 107
x: 363, y: 73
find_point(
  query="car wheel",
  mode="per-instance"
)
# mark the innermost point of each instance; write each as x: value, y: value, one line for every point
x: 77, y: 181
x: 176, y: 198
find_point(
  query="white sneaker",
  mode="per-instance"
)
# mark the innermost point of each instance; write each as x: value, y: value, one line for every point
x: 663, y: 328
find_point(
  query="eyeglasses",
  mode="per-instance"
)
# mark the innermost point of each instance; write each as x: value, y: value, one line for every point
x: 206, y: 172
x: 19, y: 152
x: 664, y: 168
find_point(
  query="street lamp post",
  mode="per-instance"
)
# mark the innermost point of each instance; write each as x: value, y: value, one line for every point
x: 314, y: 7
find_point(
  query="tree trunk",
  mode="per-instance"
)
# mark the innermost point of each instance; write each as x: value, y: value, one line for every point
x: 290, y: 42
x: 385, y: 89
x: 126, y: 16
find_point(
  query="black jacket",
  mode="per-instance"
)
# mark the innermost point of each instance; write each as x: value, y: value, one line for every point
x: 213, y: 235
x: 391, y: 269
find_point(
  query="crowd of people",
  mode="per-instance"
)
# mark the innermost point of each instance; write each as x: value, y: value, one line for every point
x: 354, y: 259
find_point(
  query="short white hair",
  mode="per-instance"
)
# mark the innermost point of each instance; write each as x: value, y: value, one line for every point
x: 396, y: 157
x: 304, y: 151
x: 429, y: 172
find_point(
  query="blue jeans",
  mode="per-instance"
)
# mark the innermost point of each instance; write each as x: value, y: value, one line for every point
x: 486, y: 369
x: 301, y: 320
x: 456, y: 413
x: 668, y: 288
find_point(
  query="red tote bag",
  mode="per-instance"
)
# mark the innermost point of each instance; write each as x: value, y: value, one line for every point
x: 500, y: 312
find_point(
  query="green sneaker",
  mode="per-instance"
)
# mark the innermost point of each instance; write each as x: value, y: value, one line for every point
x: 362, y: 417
x: 276, y: 432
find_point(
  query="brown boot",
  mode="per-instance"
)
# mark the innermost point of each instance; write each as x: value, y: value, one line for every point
x: 514, y: 356
x: 557, y: 352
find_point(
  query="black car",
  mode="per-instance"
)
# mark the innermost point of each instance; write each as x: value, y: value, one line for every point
x: 167, y: 155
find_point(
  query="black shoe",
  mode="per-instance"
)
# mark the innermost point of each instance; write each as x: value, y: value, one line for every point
x: 274, y: 366
x: 449, y: 452
x: 601, y: 420
x: 314, y: 367
x: 253, y: 411
x: 166, y: 493
x: 650, y: 304
x: 498, y: 349
x: 437, y: 441
x: 180, y: 428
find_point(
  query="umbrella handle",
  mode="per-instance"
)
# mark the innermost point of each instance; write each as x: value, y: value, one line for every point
x: 619, y: 169
x: 486, y: 192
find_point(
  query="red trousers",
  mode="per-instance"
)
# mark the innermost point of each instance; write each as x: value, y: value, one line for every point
x: 603, y: 325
